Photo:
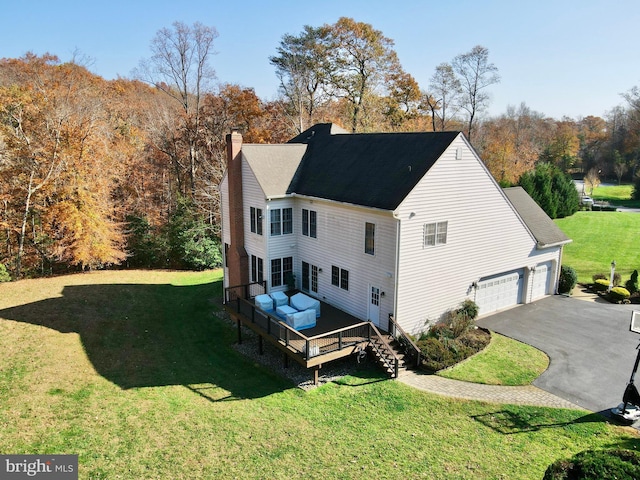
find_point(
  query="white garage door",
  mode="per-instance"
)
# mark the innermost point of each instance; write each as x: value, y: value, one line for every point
x: 500, y: 291
x: 541, y: 280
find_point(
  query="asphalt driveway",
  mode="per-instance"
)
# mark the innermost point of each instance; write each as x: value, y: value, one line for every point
x: 589, y: 344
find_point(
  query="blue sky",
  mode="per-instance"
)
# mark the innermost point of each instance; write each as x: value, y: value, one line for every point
x: 562, y: 57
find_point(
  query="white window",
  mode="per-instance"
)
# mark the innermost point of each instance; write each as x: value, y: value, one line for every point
x: 369, y: 238
x: 309, y: 223
x: 434, y: 234
x: 281, y: 221
x: 256, y: 220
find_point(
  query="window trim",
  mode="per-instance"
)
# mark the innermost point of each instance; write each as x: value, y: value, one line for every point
x: 370, y: 238
x: 257, y: 269
x: 340, y: 277
x: 280, y: 267
x: 281, y: 221
x: 309, y: 223
x: 434, y: 234
x: 255, y: 215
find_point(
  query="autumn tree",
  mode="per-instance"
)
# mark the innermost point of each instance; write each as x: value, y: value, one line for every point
x: 361, y: 59
x: 592, y: 135
x: 563, y: 146
x: 301, y: 68
x: 403, y: 99
x: 445, y: 91
x: 56, y: 163
x: 180, y: 67
x: 476, y: 74
x: 592, y: 179
x: 511, y: 143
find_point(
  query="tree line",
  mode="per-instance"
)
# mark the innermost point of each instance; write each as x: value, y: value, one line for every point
x: 97, y: 173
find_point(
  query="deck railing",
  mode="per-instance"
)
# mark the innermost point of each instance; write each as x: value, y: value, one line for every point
x: 385, y: 351
x: 307, y: 347
x: 249, y: 290
x: 410, y: 348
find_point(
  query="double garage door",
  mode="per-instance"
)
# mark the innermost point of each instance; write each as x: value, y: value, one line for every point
x: 506, y: 289
x: 500, y: 291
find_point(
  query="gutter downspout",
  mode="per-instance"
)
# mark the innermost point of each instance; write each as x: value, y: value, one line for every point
x: 397, y: 268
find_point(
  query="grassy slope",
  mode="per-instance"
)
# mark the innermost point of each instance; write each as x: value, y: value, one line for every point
x: 503, y: 362
x: 598, y: 238
x: 135, y: 373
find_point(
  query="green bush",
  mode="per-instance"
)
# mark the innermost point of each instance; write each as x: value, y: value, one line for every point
x: 596, y: 465
x: 601, y: 285
x: 469, y: 308
x: 632, y: 283
x: 619, y: 294
x: 435, y: 356
x: 4, y: 274
x: 452, y: 339
x: 568, y: 279
x: 438, y: 354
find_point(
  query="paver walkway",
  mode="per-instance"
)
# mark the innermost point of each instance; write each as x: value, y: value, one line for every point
x: 524, y: 395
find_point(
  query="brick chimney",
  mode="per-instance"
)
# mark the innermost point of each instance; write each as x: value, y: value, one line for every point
x: 237, y: 256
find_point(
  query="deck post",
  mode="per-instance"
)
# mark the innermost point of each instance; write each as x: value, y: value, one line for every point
x: 316, y: 372
x: 260, y: 346
x: 239, y: 331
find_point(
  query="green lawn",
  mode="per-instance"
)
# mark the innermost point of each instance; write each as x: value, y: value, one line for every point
x: 616, y: 195
x: 503, y: 362
x: 598, y: 238
x: 136, y: 373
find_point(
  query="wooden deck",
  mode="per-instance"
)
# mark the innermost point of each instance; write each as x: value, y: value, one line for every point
x: 336, y: 334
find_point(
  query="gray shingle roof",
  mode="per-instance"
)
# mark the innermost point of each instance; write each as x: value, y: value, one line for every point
x: 369, y: 169
x: 274, y: 165
x: 545, y: 231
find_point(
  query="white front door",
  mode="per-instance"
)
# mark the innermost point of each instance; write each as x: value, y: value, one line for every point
x: 374, y: 305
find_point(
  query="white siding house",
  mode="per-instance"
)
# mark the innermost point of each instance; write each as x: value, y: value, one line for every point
x: 408, y: 225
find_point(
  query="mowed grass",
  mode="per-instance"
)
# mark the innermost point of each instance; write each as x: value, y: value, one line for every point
x: 616, y: 195
x: 503, y: 362
x: 599, y: 238
x: 136, y: 373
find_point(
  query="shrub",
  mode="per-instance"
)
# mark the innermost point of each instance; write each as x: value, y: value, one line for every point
x: 469, y: 308
x: 4, y: 274
x: 619, y: 294
x: 435, y: 356
x: 601, y: 285
x: 452, y: 339
x: 596, y: 464
x: 568, y: 279
x: 475, y: 339
x: 632, y: 283
x: 616, y: 279
x: 600, y: 276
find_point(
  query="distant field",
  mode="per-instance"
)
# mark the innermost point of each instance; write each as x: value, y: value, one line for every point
x: 616, y: 195
x: 600, y: 237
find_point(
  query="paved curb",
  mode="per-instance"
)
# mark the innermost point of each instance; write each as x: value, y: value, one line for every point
x: 524, y: 395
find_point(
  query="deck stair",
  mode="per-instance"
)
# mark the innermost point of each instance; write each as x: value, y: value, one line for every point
x: 388, y: 354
